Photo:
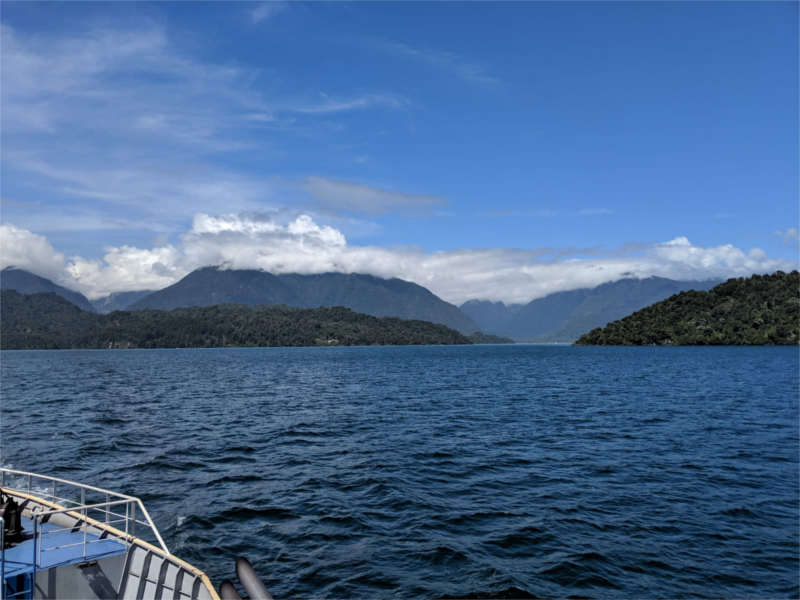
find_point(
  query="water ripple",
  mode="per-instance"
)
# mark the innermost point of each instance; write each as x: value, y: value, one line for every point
x: 438, y: 472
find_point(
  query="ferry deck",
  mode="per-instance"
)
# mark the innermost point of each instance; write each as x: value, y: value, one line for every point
x: 79, y: 541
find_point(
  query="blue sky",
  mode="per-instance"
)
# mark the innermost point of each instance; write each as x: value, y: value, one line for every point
x: 497, y: 143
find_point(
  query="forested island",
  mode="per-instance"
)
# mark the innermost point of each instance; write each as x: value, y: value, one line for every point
x: 48, y: 321
x: 758, y: 310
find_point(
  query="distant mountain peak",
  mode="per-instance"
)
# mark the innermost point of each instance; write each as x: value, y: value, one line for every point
x: 476, y: 302
x: 25, y: 282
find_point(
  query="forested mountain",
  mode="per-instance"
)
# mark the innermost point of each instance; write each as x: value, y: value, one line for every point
x: 565, y: 316
x: 118, y: 301
x: 361, y: 293
x: 47, y: 321
x: 762, y: 309
x: 26, y: 282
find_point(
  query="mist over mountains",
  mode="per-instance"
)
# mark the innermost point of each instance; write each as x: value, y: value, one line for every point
x: 118, y: 301
x: 565, y: 316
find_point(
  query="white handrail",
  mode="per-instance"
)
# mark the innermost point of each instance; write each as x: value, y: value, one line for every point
x: 79, y: 485
x: 125, y: 499
x: 87, y: 506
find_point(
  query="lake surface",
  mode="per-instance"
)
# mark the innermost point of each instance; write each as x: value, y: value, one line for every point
x: 429, y: 471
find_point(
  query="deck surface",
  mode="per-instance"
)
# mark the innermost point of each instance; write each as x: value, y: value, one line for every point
x: 59, y: 548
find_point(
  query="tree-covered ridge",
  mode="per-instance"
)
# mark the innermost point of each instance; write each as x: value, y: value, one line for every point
x: 47, y: 321
x: 487, y: 338
x: 762, y: 309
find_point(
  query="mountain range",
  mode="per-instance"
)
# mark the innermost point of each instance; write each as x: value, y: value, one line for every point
x: 565, y: 316
x: 558, y: 317
x: 362, y: 293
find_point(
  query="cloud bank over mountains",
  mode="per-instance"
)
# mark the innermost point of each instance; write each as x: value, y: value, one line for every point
x: 300, y: 245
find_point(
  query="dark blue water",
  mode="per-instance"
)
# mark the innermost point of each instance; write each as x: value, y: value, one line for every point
x: 428, y: 471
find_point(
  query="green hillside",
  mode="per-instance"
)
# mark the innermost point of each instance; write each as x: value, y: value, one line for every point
x: 762, y: 309
x: 47, y: 321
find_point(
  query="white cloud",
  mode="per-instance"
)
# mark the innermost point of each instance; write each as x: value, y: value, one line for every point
x: 356, y: 197
x: 29, y: 251
x: 266, y: 10
x: 259, y: 241
x: 718, y: 260
x: 129, y: 269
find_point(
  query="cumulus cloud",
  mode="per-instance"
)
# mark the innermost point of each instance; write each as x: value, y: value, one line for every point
x: 300, y: 245
x: 258, y: 242
x: 29, y: 251
x: 720, y: 259
x: 345, y: 195
x: 129, y: 269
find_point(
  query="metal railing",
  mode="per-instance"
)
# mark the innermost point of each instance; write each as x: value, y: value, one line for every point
x: 27, y: 589
x: 115, y: 515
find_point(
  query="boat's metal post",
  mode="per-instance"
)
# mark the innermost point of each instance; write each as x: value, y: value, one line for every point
x: 108, y: 508
x: 127, y: 510
x: 133, y: 520
x: 85, y: 527
x: 83, y: 496
x: 3, y: 556
x: 30, y: 481
x: 54, y: 492
x: 36, y: 543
